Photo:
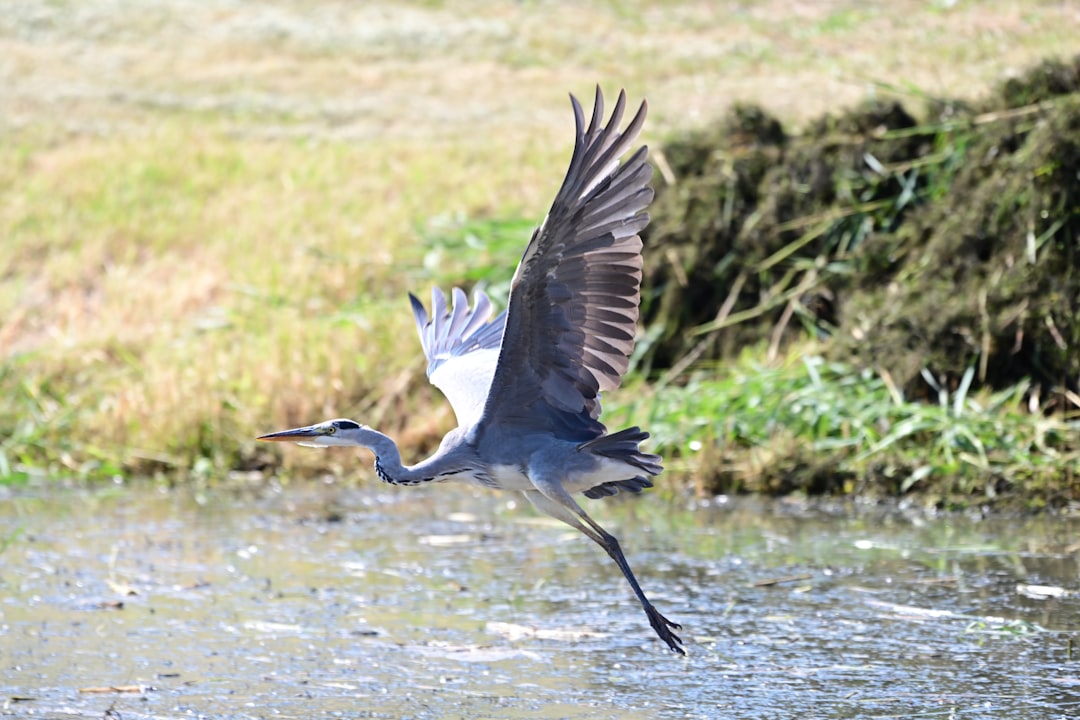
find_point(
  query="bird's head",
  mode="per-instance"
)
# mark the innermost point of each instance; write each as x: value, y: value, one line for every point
x: 340, y: 432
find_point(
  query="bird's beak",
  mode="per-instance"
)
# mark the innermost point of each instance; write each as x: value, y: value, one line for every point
x: 294, y: 435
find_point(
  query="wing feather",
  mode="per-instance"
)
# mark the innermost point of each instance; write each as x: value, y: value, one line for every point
x: 573, y: 310
x: 462, y: 348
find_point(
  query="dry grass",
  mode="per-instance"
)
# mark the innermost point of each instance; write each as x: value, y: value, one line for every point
x: 210, y: 212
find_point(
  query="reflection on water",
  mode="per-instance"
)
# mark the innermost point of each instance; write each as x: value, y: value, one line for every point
x: 432, y: 603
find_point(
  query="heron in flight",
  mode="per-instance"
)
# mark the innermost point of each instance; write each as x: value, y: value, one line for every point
x: 525, y: 387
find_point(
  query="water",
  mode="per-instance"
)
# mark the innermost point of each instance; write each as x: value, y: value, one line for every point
x: 444, y: 603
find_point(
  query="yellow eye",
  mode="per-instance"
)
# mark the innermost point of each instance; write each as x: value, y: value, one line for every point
x: 331, y: 430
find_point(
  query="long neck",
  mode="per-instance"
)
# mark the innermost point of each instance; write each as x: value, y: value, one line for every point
x: 388, y: 461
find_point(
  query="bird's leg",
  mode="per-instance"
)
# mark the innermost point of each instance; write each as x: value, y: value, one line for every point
x: 563, y: 507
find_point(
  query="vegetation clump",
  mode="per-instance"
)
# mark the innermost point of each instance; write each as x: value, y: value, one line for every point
x: 987, y: 275
x: 943, y: 254
x: 909, y: 245
x: 736, y: 240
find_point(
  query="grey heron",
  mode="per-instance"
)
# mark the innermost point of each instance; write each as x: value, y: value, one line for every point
x: 525, y: 387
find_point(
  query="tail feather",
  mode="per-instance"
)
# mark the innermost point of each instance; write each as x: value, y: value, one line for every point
x: 623, y: 446
x: 634, y: 485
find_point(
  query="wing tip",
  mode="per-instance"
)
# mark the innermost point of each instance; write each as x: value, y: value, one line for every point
x: 419, y: 314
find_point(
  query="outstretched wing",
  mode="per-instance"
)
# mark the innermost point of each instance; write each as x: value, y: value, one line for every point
x: 462, y: 349
x: 573, y: 306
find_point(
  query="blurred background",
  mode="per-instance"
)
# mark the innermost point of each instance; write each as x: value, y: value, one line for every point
x: 211, y: 212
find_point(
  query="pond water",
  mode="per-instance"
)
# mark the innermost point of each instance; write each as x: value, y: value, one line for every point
x: 324, y: 602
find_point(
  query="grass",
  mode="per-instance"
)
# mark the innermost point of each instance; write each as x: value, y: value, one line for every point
x: 823, y: 427
x: 210, y: 216
x: 182, y: 328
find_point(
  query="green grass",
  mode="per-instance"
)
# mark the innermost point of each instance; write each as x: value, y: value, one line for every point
x: 180, y: 313
x: 755, y: 427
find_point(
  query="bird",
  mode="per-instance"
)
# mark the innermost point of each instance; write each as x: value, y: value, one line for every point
x: 525, y: 386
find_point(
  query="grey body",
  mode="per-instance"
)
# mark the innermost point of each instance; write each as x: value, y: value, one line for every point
x: 525, y: 386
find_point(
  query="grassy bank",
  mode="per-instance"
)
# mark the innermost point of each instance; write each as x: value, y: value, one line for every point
x: 939, y: 254
x: 811, y: 426
x: 210, y: 217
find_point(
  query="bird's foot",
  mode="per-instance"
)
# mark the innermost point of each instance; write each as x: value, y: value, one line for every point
x: 663, y: 628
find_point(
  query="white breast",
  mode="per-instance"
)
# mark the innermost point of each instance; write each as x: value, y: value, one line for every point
x: 510, y: 477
